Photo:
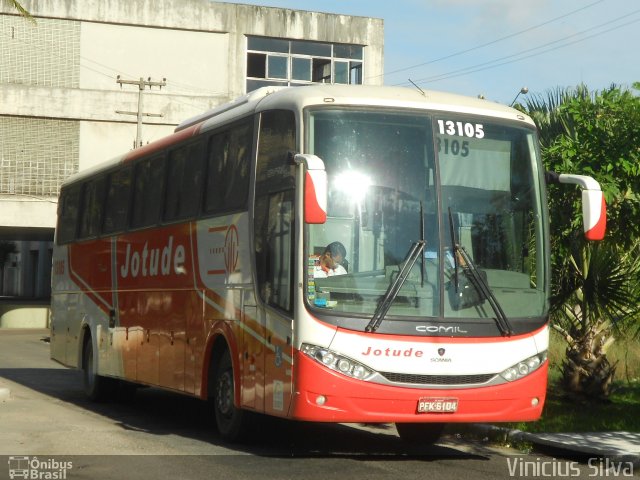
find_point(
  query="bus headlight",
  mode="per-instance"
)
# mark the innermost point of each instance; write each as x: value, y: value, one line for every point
x: 336, y: 362
x: 525, y: 367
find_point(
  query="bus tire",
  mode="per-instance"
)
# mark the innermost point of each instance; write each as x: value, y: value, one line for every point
x: 420, y: 433
x: 230, y: 420
x: 96, y: 387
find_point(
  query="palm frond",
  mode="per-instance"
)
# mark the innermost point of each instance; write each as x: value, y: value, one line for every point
x: 21, y: 10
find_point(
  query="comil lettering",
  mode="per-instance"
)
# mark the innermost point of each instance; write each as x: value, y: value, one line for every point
x: 152, y: 262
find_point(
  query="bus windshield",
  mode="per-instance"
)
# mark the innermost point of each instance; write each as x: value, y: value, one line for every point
x: 450, y: 183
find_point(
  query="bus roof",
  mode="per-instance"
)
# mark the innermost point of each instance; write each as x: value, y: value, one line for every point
x: 297, y: 98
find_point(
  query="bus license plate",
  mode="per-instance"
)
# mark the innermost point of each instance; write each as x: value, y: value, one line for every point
x: 437, y: 405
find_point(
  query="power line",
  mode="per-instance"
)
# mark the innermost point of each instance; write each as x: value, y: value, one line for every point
x: 493, y: 63
x: 193, y: 88
x: 185, y: 86
x: 492, y: 42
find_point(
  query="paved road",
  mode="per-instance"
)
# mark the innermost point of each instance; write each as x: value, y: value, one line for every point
x: 164, y: 435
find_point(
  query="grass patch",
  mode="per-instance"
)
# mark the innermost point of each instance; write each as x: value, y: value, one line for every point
x: 625, y: 353
x: 621, y: 411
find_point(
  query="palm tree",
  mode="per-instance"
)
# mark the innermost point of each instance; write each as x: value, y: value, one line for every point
x: 595, y: 286
x: 547, y: 114
x: 21, y: 10
x: 599, y: 297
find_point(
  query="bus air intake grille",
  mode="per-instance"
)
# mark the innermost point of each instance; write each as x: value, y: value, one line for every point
x: 437, y: 379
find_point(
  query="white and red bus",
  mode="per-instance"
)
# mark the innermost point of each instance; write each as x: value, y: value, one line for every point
x: 190, y: 264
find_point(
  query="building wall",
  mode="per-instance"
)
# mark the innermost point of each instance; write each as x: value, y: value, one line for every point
x: 64, y: 69
x: 59, y: 92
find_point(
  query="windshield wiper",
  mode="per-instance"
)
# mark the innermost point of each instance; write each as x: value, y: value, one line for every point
x: 423, y: 265
x: 454, y: 242
x: 481, y: 285
x: 478, y: 281
x: 394, y: 287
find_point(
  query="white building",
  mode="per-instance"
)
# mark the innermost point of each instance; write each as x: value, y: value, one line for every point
x: 60, y: 93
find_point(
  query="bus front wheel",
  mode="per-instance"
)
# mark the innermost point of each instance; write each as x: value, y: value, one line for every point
x: 420, y: 433
x: 230, y: 420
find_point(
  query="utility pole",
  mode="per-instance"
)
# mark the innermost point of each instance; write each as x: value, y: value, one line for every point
x: 142, y: 84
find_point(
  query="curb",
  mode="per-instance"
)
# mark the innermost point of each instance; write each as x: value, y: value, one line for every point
x: 562, y: 443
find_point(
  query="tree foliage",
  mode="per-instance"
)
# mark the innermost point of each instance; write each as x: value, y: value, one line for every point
x: 21, y: 10
x: 595, y: 287
x: 597, y: 298
x: 596, y: 134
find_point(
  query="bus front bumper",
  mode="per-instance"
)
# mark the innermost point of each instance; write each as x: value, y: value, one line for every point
x: 323, y: 395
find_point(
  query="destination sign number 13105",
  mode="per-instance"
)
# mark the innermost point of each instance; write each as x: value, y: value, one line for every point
x: 461, y: 129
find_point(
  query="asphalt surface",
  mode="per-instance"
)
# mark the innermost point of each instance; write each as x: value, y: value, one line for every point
x: 43, y: 413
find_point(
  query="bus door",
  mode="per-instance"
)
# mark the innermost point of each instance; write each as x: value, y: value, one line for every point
x: 253, y: 352
x: 274, y: 263
x: 274, y: 237
x: 278, y: 362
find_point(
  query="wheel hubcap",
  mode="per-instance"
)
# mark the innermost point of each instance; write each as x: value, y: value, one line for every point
x: 225, y: 394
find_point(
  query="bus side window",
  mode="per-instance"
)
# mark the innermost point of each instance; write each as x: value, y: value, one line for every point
x: 68, y: 216
x: 185, y: 177
x: 92, y: 207
x: 275, y: 250
x: 147, y: 192
x: 117, y: 204
x: 274, y: 209
x: 228, y: 170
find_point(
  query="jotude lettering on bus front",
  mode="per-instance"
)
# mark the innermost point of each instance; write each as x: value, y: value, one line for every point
x: 151, y: 262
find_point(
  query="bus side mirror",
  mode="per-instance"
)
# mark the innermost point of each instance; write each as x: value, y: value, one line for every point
x: 315, y: 188
x: 594, y: 207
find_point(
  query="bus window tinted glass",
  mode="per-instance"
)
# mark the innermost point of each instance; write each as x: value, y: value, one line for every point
x: 228, y: 170
x: 92, y: 206
x: 185, y: 177
x: 117, y: 204
x: 147, y: 193
x: 69, y: 208
x: 273, y: 219
x: 275, y: 170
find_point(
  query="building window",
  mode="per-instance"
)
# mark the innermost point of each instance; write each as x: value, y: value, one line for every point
x: 37, y: 154
x: 272, y: 61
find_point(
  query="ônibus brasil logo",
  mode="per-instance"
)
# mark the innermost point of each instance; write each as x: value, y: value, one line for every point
x: 35, y: 468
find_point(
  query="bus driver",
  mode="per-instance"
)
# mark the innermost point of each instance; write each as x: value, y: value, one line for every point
x: 330, y: 263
